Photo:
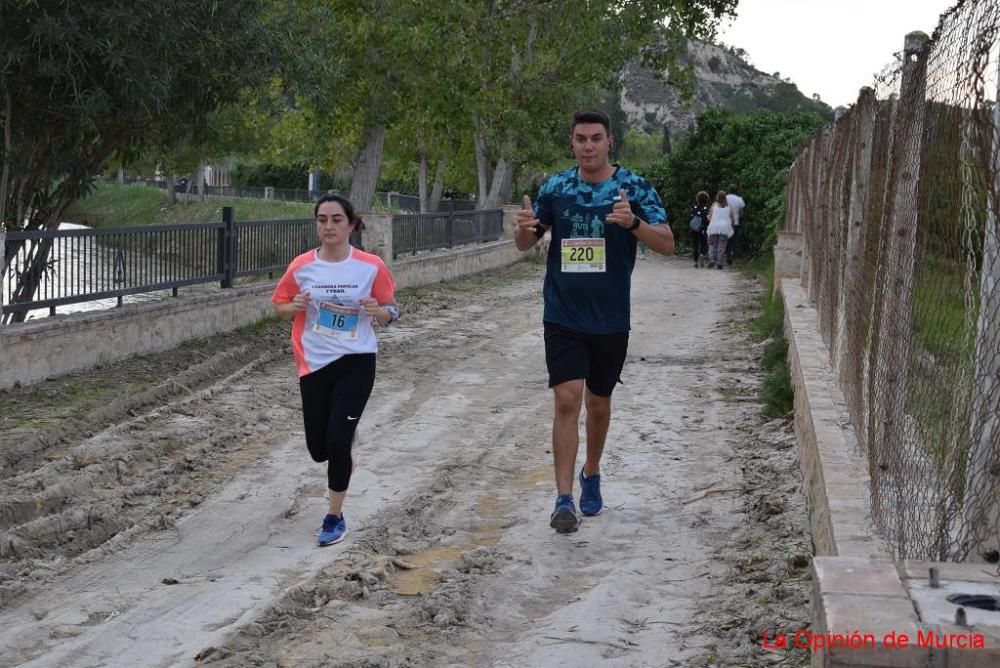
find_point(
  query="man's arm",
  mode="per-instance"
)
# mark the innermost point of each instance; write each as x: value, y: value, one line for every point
x: 659, y: 238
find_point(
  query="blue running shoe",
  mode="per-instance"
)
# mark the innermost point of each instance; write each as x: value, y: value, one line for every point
x: 590, y: 494
x: 333, y: 531
x: 564, y: 518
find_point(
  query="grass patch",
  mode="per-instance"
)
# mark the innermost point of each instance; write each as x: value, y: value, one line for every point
x: 939, y: 310
x: 113, y: 205
x: 776, y: 391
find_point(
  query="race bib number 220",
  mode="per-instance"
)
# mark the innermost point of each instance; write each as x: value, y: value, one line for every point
x: 583, y: 255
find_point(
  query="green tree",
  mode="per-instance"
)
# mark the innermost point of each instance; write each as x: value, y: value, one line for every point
x: 753, y: 151
x: 419, y: 77
x: 535, y: 69
x: 83, y: 81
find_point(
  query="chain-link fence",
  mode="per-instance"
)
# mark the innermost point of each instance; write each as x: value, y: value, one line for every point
x: 897, y: 201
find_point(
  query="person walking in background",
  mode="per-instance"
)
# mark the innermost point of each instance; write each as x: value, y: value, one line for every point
x: 597, y: 213
x: 698, y: 229
x: 736, y: 206
x: 720, y: 230
x: 334, y: 295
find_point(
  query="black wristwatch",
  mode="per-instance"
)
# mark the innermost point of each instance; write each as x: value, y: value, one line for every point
x: 635, y: 224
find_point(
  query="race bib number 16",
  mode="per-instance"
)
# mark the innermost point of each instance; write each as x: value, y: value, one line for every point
x: 336, y: 320
x: 583, y: 255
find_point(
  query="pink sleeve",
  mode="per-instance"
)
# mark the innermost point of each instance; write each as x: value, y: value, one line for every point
x: 384, y: 288
x: 287, y: 288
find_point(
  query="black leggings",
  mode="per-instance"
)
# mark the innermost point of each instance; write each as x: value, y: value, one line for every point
x: 698, y: 242
x: 333, y: 399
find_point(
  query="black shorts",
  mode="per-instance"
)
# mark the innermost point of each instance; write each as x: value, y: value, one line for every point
x: 596, y: 358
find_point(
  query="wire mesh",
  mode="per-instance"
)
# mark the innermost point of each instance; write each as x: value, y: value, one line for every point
x: 897, y: 202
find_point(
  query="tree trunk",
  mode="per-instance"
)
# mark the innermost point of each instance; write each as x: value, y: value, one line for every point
x: 503, y: 181
x: 422, y: 181
x: 435, y: 200
x: 482, y: 164
x: 171, y: 189
x: 367, y: 167
x: 189, y: 186
x: 201, y: 182
x: 36, y: 263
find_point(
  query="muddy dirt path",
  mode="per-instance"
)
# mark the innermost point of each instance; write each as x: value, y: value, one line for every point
x: 183, y: 532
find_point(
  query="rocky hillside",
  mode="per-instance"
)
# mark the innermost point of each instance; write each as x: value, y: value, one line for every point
x: 723, y: 79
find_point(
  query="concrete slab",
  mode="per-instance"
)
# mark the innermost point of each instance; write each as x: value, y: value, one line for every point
x: 858, y: 575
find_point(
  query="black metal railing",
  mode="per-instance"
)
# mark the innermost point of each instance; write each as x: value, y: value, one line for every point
x: 412, y: 233
x: 91, y: 264
x: 267, y: 246
x: 83, y: 265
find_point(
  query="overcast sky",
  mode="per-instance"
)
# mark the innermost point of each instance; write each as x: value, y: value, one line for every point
x: 830, y: 47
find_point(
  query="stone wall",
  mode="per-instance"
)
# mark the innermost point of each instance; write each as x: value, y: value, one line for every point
x: 46, y: 347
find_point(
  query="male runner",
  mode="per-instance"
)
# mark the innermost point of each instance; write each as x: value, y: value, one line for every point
x: 597, y: 212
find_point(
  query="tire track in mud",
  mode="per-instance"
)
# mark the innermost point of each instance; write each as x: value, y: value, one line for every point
x: 41, y: 422
x: 94, y: 497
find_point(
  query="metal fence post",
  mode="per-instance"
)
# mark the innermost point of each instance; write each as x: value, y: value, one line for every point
x: 450, y: 227
x: 227, y: 247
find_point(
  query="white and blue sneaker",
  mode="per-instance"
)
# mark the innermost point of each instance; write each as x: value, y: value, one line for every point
x: 590, y: 494
x: 333, y: 531
x: 564, y: 518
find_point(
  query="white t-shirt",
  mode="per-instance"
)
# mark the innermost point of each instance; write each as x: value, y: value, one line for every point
x: 334, y: 324
x: 737, y: 204
x: 720, y: 221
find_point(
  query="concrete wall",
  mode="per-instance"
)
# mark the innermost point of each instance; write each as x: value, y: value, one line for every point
x: 788, y: 253
x: 39, y: 349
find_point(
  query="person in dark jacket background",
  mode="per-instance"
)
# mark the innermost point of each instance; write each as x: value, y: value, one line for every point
x: 698, y: 239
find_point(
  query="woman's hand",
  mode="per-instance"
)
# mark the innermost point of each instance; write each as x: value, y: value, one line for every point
x: 371, y: 307
x: 300, y: 302
x: 288, y: 310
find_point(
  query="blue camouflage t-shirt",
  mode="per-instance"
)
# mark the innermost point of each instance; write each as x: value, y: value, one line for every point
x: 580, y: 292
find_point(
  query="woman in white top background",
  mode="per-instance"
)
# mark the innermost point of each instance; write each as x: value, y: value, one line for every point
x: 720, y: 229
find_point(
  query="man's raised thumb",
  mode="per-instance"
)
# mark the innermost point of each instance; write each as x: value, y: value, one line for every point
x: 526, y: 203
x: 623, y: 194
